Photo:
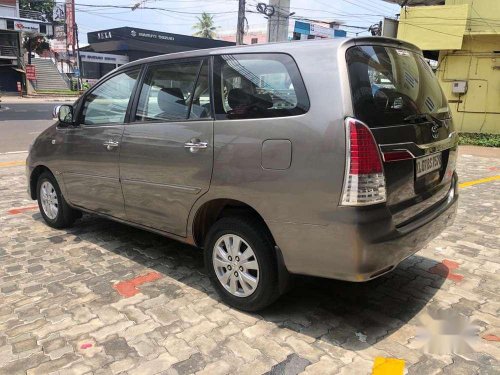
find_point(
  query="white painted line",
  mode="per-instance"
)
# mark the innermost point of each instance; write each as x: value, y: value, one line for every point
x: 13, y: 152
x: 34, y: 132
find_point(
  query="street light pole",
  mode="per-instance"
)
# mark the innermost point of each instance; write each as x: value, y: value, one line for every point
x: 240, y: 29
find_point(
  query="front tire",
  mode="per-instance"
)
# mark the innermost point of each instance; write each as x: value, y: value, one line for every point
x: 241, y: 263
x: 54, y: 209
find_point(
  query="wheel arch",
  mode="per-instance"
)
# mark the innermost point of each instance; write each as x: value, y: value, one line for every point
x: 211, y: 211
x: 35, y: 174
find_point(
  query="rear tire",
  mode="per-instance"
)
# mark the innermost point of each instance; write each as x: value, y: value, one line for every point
x: 54, y: 209
x: 241, y: 263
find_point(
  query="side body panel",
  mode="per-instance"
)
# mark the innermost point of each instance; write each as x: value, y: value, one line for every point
x: 90, y: 170
x: 161, y: 178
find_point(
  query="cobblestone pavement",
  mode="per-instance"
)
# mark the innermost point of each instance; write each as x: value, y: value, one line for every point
x: 104, y: 298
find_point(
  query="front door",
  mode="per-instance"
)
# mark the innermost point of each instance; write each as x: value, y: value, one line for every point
x: 92, y: 147
x: 167, y: 150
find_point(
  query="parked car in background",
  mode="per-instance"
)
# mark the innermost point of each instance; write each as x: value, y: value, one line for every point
x: 327, y: 158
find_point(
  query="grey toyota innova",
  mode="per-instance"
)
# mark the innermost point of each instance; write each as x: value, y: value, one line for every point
x: 328, y: 158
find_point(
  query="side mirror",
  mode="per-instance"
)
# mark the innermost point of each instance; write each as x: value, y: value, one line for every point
x: 64, y: 113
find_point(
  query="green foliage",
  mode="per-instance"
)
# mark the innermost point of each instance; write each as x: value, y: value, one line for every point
x: 205, y: 26
x: 480, y: 139
x: 44, y: 6
x: 38, y: 43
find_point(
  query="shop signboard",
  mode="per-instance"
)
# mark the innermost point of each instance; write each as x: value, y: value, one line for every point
x: 60, y: 32
x: 59, y: 12
x: 70, y: 23
x: 31, y: 72
x: 27, y: 27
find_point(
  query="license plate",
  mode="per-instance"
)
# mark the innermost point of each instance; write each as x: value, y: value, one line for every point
x: 428, y: 164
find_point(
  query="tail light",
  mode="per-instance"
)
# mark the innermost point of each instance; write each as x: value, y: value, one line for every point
x: 364, y: 181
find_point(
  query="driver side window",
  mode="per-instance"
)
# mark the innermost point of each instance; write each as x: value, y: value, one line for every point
x: 108, y: 103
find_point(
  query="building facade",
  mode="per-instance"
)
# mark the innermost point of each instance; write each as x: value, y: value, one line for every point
x: 464, y: 36
x: 14, y: 25
x: 112, y: 47
x: 252, y: 36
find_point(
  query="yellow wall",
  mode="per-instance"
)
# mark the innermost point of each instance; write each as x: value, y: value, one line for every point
x: 469, y: 56
x: 434, y: 27
x: 479, y: 109
x: 484, y: 15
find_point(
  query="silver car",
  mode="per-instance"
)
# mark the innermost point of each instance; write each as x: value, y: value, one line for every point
x: 329, y: 158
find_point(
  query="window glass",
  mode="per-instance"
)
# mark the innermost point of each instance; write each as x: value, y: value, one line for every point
x: 169, y: 91
x: 258, y: 86
x: 108, y: 103
x: 200, y: 106
x: 392, y: 86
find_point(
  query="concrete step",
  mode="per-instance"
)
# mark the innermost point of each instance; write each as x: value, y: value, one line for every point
x: 48, y: 76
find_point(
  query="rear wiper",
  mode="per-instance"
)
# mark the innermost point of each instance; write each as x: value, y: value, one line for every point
x: 419, y: 118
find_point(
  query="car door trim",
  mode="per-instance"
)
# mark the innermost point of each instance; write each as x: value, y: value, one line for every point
x: 183, y: 188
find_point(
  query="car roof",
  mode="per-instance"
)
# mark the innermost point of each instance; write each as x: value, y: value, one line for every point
x: 281, y: 47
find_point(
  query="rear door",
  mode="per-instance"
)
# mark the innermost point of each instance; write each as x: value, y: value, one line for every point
x: 396, y: 93
x: 167, y: 150
x: 92, y: 146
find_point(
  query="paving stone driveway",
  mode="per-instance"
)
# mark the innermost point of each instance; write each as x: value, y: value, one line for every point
x: 61, y: 310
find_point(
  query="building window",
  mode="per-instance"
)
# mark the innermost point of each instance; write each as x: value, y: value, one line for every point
x: 255, y: 40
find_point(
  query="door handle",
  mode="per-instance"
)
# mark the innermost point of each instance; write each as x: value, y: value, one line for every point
x: 194, y: 146
x: 111, y: 144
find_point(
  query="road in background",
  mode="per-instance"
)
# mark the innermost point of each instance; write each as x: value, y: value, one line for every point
x: 21, y: 122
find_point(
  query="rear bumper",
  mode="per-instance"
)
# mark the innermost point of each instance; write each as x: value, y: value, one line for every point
x: 361, y: 244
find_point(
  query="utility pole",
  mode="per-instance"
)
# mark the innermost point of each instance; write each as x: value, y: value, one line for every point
x: 240, y: 28
x: 78, y: 57
x: 278, y: 21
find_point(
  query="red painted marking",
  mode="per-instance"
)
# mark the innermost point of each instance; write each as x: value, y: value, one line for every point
x: 491, y: 337
x: 128, y: 288
x: 445, y: 268
x: 20, y: 210
x: 493, y: 168
x: 86, y: 346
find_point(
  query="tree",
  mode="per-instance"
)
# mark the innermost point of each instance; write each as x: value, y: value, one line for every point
x: 35, y: 43
x: 205, y: 26
x: 46, y: 7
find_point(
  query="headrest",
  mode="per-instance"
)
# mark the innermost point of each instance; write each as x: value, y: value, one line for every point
x: 238, y: 97
x: 264, y: 101
x: 169, y: 95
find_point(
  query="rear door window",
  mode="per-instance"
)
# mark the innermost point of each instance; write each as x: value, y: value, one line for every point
x: 393, y: 86
x: 175, y: 91
x: 258, y: 86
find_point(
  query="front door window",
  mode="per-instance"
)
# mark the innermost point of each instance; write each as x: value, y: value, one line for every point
x: 108, y: 103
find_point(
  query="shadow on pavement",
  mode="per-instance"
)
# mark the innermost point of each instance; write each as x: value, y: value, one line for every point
x: 353, y: 315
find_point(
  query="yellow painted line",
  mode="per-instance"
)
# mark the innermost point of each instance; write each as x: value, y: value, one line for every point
x: 480, y: 181
x: 12, y: 163
x: 388, y: 366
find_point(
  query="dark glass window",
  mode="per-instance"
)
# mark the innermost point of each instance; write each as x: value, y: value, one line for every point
x: 392, y: 86
x: 175, y: 91
x: 258, y: 86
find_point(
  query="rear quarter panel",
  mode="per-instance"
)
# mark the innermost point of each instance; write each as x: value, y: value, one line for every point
x: 309, y: 191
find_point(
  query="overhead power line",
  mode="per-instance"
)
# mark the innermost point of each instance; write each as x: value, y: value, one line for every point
x: 132, y: 7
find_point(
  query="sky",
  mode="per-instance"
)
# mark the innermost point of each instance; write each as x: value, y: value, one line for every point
x: 179, y: 16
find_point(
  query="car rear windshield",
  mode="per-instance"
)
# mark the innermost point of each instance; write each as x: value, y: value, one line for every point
x: 393, y: 86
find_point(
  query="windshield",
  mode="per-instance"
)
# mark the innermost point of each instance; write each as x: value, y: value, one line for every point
x: 393, y: 86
